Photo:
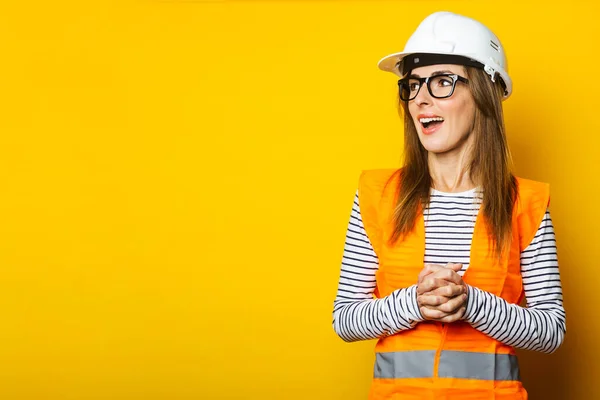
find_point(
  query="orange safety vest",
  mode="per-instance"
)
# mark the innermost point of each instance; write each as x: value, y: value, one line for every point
x: 446, y: 361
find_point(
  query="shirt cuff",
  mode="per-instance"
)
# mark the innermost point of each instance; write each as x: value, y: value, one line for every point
x: 412, y: 298
x: 472, y: 304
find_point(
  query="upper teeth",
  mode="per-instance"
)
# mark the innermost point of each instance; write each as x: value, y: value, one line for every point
x: 426, y: 120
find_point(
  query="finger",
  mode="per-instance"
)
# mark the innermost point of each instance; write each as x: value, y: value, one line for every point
x: 427, y: 270
x: 452, y: 305
x: 432, y: 314
x: 449, y: 275
x: 439, y: 296
x: 429, y: 284
x: 457, y: 316
x: 431, y: 301
x: 450, y: 290
x: 454, y: 267
x: 439, y: 279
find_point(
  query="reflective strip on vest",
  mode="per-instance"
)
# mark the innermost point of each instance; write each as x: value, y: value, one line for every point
x: 404, y: 364
x: 485, y: 366
x: 453, y: 364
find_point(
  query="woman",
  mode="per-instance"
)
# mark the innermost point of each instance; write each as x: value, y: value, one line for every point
x: 440, y: 253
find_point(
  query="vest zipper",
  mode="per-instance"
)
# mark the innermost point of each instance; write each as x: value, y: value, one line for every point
x: 436, y: 364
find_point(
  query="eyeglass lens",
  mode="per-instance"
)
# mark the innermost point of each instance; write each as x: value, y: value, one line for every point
x: 440, y: 86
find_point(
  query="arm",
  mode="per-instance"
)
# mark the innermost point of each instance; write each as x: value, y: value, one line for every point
x: 356, y: 315
x: 542, y: 325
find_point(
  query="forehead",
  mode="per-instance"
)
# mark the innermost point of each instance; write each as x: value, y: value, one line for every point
x: 432, y: 69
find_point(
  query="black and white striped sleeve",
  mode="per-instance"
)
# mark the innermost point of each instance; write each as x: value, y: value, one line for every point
x: 356, y: 314
x: 542, y: 325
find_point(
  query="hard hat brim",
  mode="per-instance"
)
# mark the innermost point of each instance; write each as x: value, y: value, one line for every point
x: 390, y: 62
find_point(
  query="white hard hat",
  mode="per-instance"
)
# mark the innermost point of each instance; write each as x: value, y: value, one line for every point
x: 448, y: 38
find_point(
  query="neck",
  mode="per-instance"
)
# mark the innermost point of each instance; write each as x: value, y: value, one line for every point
x: 450, y: 171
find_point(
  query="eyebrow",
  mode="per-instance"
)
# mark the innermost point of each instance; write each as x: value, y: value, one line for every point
x: 446, y: 71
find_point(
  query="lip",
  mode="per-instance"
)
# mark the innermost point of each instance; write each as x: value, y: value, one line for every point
x: 432, y: 129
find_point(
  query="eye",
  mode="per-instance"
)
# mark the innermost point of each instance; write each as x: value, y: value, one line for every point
x: 443, y: 81
x: 413, y: 86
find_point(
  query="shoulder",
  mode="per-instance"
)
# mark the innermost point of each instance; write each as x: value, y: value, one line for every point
x: 378, y: 179
x: 532, y: 194
x: 528, y: 187
x: 374, y: 189
x: 532, y: 202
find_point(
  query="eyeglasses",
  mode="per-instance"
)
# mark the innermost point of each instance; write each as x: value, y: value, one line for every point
x: 439, y: 86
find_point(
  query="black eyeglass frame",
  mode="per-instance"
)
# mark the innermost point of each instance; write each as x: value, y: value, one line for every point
x: 455, y: 78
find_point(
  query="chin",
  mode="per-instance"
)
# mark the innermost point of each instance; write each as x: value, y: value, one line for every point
x: 432, y: 147
x: 438, y: 150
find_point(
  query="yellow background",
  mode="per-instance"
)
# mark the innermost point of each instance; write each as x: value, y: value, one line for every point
x: 176, y: 178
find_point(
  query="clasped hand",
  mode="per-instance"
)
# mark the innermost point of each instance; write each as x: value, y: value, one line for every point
x: 441, y: 293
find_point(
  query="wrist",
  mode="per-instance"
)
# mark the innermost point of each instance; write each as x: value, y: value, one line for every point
x: 416, y: 306
x: 469, y: 304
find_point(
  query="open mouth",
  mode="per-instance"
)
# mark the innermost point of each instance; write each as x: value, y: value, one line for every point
x: 431, y: 122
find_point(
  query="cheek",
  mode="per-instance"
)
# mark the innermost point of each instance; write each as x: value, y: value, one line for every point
x: 468, y: 116
x: 413, y: 112
x: 463, y: 114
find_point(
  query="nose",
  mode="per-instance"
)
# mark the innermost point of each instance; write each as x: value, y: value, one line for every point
x: 423, y: 97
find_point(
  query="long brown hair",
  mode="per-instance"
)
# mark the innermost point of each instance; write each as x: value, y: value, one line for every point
x: 489, y: 166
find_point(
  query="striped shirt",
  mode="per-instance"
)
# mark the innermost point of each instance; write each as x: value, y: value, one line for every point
x: 449, y: 224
